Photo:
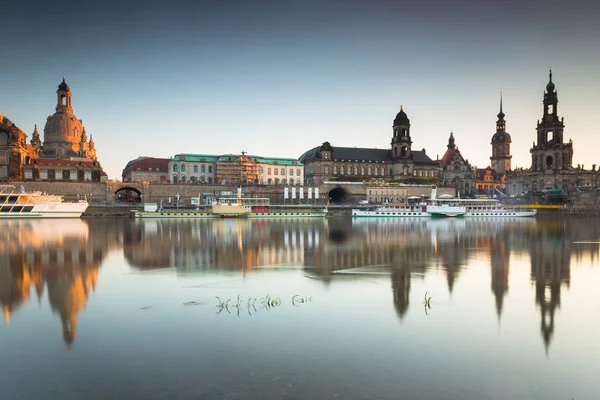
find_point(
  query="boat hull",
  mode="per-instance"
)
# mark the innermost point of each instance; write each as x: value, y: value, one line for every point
x: 389, y: 213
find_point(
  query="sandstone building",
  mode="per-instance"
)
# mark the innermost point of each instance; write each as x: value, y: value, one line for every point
x: 65, y: 154
x: 456, y: 170
x: 551, y: 157
x: 399, y: 163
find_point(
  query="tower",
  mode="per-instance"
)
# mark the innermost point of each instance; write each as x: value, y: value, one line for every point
x: 63, y: 98
x: 550, y: 152
x: 401, y: 141
x: 500, y: 159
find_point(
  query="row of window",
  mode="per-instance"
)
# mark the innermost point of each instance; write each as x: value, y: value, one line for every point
x: 195, y: 168
x: 60, y: 174
x: 375, y: 171
x: 276, y: 171
x: 149, y: 168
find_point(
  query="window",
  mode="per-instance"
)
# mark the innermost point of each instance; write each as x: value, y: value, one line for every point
x: 44, y: 174
x: 196, y: 169
x: 282, y: 171
x: 182, y: 167
x: 335, y: 169
x: 175, y: 168
x: 342, y: 170
x: 149, y: 168
x: 87, y: 175
x: 138, y: 168
x: 376, y: 171
x: 66, y: 174
x: 28, y: 174
x: 355, y: 170
x: 203, y: 168
x: 276, y: 173
x: 291, y: 172
x: 269, y: 172
x: 210, y: 169
x: 3, y: 159
x: 370, y: 171
x: 326, y: 170
x: 298, y: 172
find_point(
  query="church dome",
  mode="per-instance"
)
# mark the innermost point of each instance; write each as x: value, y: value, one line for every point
x: 401, y: 118
x: 501, y: 137
x: 62, y: 131
x: 63, y: 86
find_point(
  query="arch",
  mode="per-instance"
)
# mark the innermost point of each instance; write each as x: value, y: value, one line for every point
x: 549, y: 161
x: 404, y: 151
x: 339, y: 195
x: 128, y: 194
x: 175, y: 178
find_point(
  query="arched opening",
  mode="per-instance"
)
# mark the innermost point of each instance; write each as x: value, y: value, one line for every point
x: 63, y: 100
x: 404, y: 151
x: 339, y: 196
x: 549, y: 161
x: 128, y: 195
x: 175, y: 179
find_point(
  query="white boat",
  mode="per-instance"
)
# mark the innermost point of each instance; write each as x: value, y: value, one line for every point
x: 23, y: 204
x: 391, y: 211
x: 483, y: 207
x: 429, y: 209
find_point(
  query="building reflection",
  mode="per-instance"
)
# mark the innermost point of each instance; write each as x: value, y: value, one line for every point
x: 62, y: 258
x: 229, y: 245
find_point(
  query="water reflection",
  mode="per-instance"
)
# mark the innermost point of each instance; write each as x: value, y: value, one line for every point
x: 64, y: 257
x: 61, y: 256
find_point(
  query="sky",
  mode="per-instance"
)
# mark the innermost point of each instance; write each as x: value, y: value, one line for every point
x: 276, y: 78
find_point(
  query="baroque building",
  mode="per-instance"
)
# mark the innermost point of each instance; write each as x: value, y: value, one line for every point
x: 457, y: 172
x: 399, y: 163
x: 65, y: 154
x: 551, y: 157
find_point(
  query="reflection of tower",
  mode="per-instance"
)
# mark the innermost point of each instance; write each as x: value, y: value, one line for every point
x: 550, y: 268
x: 68, y: 294
x: 500, y: 261
x: 401, y: 288
x: 14, y: 285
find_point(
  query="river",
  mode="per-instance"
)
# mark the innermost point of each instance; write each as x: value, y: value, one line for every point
x: 300, y: 309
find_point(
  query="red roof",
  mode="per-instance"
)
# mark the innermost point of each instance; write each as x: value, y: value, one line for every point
x: 447, y: 157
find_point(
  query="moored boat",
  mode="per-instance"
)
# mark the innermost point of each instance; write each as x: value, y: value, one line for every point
x: 24, y: 204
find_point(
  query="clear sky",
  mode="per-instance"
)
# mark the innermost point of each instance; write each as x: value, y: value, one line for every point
x: 276, y: 78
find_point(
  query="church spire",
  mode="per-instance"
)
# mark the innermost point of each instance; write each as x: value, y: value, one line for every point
x: 451, y: 145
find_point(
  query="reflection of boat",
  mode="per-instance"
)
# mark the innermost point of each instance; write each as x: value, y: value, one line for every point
x: 37, y: 205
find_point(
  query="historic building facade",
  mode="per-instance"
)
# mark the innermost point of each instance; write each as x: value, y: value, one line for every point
x: 456, y: 170
x: 551, y: 157
x: 146, y: 169
x: 233, y: 169
x: 65, y: 154
x: 400, y: 163
x: 15, y: 152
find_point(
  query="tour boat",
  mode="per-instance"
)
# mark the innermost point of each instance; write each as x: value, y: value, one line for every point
x: 23, y: 204
x: 486, y: 208
x: 391, y: 211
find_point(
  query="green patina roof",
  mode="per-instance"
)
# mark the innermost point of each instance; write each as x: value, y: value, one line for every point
x: 195, y: 157
x: 233, y: 157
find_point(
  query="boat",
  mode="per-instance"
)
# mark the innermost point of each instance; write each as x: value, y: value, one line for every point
x: 24, y: 204
x: 423, y: 209
x: 484, y: 207
x: 393, y: 211
x: 227, y: 207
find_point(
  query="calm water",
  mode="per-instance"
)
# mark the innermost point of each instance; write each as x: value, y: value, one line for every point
x: 327, y: 309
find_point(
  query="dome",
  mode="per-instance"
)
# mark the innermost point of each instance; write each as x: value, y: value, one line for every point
x: 63, y: 86
x: 501, y: 137
x: 62, y: 131
x: 401, y: 118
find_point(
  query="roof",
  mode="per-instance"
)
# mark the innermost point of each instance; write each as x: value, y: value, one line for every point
x: 480, y: 173
x: 447, y: 157
x: 195, y: 157
x: 278, y: 161
x: 363, y: 154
